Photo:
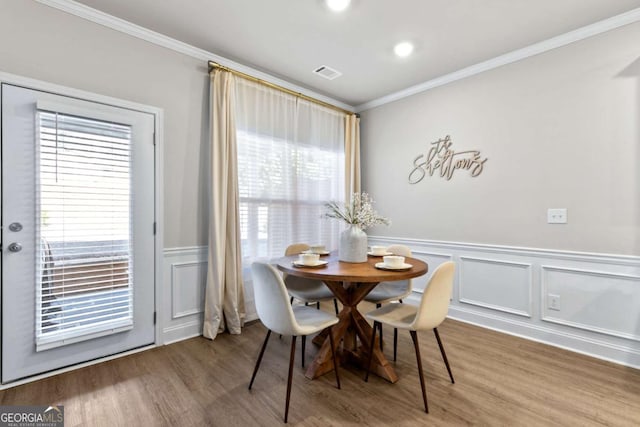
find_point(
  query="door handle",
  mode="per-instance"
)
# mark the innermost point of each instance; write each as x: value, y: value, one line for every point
x: 15, y: 247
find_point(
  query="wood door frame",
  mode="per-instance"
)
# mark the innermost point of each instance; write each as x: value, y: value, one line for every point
x: 158, y: 191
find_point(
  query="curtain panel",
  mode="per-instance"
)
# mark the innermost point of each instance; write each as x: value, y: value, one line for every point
x: 276, y: 160
x: 224, y: 293
x: 352, y: 155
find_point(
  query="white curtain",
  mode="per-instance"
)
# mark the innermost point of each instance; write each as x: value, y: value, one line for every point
x: 291, y: 160
x: 224, y: 294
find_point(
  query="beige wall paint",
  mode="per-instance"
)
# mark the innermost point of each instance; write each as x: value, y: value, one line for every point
x: 43, y: 43
x: 561, y: 130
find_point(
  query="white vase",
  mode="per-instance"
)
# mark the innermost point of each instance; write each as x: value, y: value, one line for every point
x: 353, y: 245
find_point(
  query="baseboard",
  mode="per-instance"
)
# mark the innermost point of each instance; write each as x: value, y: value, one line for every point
x: 182, y: 332
x: 594, y: 348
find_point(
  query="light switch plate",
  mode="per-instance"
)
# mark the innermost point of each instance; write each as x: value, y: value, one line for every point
x: 557, y: 216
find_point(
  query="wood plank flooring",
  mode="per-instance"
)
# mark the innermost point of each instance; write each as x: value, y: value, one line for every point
x: 500, y: 381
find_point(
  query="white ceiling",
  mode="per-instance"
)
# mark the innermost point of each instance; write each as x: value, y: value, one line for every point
x: 290, y: 38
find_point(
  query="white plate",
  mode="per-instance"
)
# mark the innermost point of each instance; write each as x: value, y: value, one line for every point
x: 384, y: 254
x: 319, y: 253
x: 316, y: 264
x: 383, y: 266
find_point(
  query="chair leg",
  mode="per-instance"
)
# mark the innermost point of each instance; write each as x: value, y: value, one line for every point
x: 378, y: 305
x: 304, y: 343
x: 395, y: 343
x: 255, y: 370
x: 444, y: 355
x: 395, y: 338
x: 373, y: 338
x: 293, y: 355
x: 318, y: 305
x: 335, y: 305
x: 335, y: 361
x: 414, y: 337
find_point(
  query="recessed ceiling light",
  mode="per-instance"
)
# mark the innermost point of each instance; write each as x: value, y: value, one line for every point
x: 403, y: 49
x: 338, y: 5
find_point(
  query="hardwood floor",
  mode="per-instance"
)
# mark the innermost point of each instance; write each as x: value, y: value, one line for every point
x: 500, y: 381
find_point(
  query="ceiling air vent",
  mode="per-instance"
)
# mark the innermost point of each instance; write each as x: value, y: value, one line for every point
x: 327, y: 72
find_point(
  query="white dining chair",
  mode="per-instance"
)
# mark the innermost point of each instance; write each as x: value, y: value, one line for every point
x: 277, y: 314
x: 308, y: 291
x: 429, y: 315
x: 386, y: 292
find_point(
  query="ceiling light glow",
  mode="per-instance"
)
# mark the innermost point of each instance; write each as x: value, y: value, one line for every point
x: 338, y: 5
x: 403, y: 49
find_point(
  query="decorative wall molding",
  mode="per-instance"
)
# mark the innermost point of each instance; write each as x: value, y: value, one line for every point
x: 185, y: 278
x: 609, y: 310
x: 425, y: 244
x: 126, y: 27
x: 194, y: 290
x: 510, y: 57
x: 183, y: 293
x: 483, y: 298
x: 593, y: 340
x: 604, y: 281
x: 186, y: 251
x: 433, y: 259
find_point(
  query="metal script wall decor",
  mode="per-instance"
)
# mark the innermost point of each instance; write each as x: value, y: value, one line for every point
x: 441, y: 156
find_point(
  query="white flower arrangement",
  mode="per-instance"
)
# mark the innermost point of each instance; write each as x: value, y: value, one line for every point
x: 358, y: 212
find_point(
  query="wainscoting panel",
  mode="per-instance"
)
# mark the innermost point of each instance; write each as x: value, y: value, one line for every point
x: 602, y: 302
x: 185, y: 277
x: 187, y: 288
x: 433, y: 260
x: 594, y: 307
x: 495, y: 284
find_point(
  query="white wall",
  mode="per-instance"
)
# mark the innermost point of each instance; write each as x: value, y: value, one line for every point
x: 43, y: 43
x: 560, y: 130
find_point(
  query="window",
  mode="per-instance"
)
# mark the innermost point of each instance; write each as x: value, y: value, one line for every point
x: 84, y: 229
x: 290, y: 162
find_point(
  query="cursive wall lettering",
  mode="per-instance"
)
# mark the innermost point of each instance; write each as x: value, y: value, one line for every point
x: 443, y: 158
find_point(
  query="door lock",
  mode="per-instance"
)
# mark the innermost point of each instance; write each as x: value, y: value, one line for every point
x: 15, y: 226
x: 15, y: 247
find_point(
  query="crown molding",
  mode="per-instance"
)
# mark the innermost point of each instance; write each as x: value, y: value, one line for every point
x: 126, y: 27
x: 513, y: 56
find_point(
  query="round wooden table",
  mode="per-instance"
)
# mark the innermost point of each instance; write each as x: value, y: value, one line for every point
x: 350, y: 283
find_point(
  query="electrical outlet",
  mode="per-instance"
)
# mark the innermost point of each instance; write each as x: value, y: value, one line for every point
x: 557, y: 216
x: 553, y: 302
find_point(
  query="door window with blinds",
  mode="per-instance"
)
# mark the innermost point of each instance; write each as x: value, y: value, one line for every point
x: 84, y: 268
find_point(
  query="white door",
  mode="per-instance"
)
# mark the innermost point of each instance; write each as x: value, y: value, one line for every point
x: 77, y: 231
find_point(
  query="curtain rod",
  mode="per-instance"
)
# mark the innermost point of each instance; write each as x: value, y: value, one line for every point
x: 214, y: 65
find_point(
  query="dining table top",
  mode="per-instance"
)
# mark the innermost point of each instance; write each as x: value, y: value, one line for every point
x: 361, y: 272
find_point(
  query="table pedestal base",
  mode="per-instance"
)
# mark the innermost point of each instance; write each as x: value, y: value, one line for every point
x: 350, y: 327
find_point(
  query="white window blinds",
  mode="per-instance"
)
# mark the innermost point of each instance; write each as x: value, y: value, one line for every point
x: 84, y: 276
